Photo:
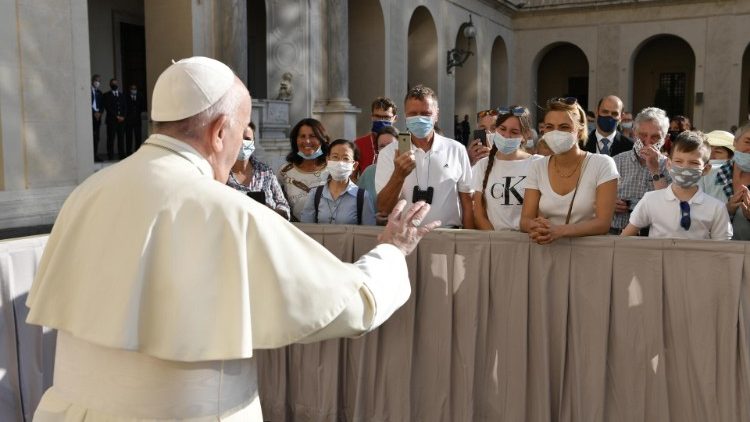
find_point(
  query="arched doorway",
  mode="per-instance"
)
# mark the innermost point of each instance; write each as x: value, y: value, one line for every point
x: 422, y: 50
x: 745, y: 89
x: 664, y: 75
x: 366, y: 57
x: 499, y: 74
x: 563, y: 71
x: 466, y: 87
x: 257, y: 73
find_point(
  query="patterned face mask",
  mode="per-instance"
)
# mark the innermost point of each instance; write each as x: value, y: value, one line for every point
x: 685, y: 177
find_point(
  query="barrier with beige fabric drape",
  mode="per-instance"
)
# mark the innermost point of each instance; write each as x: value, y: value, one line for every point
x: 497, y: 329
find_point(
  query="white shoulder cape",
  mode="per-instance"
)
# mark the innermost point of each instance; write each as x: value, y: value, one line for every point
x: 154, y: 255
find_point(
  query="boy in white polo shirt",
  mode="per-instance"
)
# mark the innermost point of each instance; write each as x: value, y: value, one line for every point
x: 682, y: 210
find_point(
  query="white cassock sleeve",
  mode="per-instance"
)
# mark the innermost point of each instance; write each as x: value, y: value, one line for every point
x: 386, y: 289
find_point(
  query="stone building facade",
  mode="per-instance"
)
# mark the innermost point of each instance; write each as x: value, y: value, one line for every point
x: 689, y: 56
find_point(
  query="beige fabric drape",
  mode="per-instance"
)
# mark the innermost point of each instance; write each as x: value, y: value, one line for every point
x: 592, y: 329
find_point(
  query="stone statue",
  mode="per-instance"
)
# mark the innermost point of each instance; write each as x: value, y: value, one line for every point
x: 285, y: 87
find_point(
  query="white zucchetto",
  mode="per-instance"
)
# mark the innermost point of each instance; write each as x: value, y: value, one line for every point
x: 188, y: 87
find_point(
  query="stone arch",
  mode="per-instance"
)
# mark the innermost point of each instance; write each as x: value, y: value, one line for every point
x: 664, y: 75
x: 422, y: 62
x: 562, y: 70
x: 499, y: 73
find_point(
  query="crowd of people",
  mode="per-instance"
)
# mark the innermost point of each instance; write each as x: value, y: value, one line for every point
x: 577, y: 173
x: 122, y: 116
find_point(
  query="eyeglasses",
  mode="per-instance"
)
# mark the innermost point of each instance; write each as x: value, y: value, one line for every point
x: 564, y: 100
x: 685, y: 215
x: 490, y: 112
x: 516, y: 111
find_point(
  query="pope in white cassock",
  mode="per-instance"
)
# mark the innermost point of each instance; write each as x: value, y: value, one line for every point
x: 161, y: 280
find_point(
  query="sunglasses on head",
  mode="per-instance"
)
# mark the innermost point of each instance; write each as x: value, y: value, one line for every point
x: 684, y: 215
x: 516, y: 111
x: 564, y: 100
x: 490, y: 112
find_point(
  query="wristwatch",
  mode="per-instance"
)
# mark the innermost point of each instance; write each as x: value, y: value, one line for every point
x: 656, y: 177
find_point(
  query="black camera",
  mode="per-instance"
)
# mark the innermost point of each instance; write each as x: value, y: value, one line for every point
x: 259, y: 196
x: 422, y: 195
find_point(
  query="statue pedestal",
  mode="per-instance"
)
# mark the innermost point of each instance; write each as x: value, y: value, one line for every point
x: 339, y: 117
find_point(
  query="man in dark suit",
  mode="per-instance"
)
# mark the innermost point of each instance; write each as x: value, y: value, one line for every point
x: 136, y: 104
x: 606, y: 139
x: 97, y: 106
x: 114, y: 104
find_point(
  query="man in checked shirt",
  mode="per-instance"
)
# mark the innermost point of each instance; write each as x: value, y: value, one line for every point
x: 642, y: 169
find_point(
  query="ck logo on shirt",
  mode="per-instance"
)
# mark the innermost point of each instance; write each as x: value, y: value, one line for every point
x: 508, y: 191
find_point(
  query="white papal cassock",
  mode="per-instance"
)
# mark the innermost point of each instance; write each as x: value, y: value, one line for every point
x: 162, y: 281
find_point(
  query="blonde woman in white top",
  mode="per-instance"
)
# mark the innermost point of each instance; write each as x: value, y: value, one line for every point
x: 499, y: 181
x: 571, y: 193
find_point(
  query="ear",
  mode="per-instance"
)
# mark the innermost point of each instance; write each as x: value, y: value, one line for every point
x: 355, y: 165
x: 218, y: 132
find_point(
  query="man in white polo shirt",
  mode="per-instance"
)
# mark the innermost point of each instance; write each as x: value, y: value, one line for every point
x: 436, y: 169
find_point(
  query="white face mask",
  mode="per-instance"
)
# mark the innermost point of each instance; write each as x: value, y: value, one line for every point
x: 638, y: 146
x: 340, y: 170
x: 97, y: 84
x: 559, y: 141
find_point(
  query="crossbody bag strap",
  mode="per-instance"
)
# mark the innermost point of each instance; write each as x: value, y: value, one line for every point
x: 580, y: 175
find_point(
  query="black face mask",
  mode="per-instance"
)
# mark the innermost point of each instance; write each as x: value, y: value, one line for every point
x: 673, y: 134
x: 114, y: 87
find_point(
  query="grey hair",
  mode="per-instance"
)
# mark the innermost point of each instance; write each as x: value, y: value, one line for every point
x: 192, y: 126
x: 741, y: 131
x: 652, y: 114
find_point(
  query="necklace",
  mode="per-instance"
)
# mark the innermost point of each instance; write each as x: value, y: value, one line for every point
x: 333, y: 211
x: 569, y: 174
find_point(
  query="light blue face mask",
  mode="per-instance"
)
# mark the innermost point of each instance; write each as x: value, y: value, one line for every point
x: 743, y: 160
x: 247, y: 149
x: 419, y: 126
x: 505, y: 145
x: 312, y: 156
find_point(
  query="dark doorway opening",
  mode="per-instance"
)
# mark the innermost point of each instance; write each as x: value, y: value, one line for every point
x: 133, y: 55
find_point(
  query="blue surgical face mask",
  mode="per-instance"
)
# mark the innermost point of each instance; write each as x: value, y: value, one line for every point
x: 247, y: 149
x: 505, y: 145
x: 743, y: 160
x: 379, y: 124
x: 312, y: 156
x: 420, y: 126
x: 606, y: 123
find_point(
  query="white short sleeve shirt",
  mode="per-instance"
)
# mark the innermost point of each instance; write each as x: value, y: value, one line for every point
x: 660, y: 210
x: 445, y: 167
x: 553, y: 206
x: 505, y: 189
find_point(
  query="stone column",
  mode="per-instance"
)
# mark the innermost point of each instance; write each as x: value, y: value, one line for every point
x: 335, y: 110
x: 46, y: 146
x: 230, y: 35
